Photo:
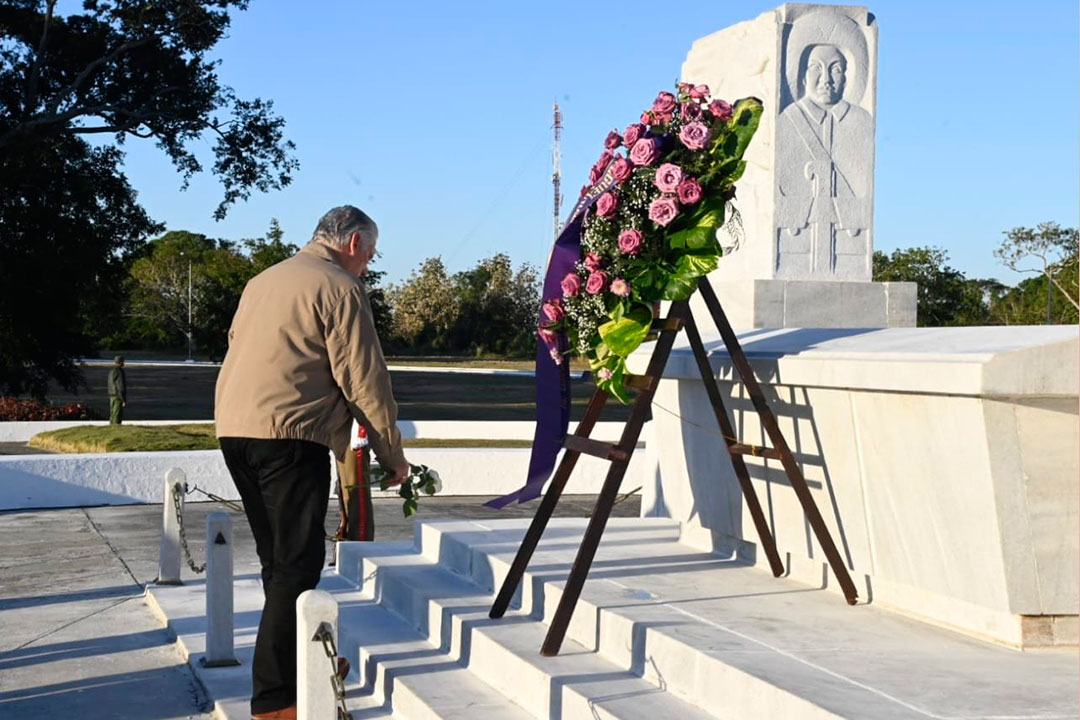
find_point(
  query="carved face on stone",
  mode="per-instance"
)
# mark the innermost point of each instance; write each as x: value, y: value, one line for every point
x: 823, y: 79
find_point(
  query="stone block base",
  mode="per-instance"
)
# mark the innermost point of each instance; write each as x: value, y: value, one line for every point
x: 811, y: 304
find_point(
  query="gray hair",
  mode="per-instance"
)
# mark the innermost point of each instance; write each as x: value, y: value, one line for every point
x: 336, y: 226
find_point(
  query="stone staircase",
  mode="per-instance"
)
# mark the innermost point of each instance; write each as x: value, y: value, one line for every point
x: 661, y: 631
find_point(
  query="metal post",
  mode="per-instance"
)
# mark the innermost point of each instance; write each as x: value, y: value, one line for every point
x: 169, y: 558
x: 189, y: 309
x: 316, y: 632
x: 219, y: 592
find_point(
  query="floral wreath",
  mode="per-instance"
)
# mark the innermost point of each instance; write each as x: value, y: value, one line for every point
x: 662, y: 188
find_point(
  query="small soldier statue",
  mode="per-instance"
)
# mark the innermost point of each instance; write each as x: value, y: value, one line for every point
x: 117, y: 391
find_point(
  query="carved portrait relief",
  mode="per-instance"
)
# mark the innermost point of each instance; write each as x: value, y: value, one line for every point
x: 825, y: 148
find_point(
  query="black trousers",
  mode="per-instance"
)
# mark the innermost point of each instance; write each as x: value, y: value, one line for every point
x: 285, y: 486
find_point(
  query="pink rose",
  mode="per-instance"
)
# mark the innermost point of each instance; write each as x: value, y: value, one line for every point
x: 630, y: 241
x: 592, y: 261
x: 556, y: 356
x: 664, y: 103
x: 721, y: 110
x: 646, y: 118
x: 571, y: 285
x: 688, y: 191
x: 695, y: 135
x: 604, y: 374
x: 662, y: 118
x: 596, y: 282
x: 622, y: 170
x: 606, y: 204
x: 620, y: 287
x: 668, y: 177
x: 663, y: 210
x: 690, y: 111
x: 553, y: 310
x: 699, y: 92
x: 598, y: 169
x: 633, y: 133
x: 613, y: 140
x: 684, y: 87
x: 644, y: 151
x: 584, y: 189
x: 548, y: 336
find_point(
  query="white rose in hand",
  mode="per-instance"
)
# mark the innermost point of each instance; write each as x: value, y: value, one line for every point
x: 434, y: 483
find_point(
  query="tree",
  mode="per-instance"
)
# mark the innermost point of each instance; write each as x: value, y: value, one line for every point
x: 269, y: 250
x: 1051, y: 249
x: 945, y: 296
x: 160, y: 288
x: 117, y: 70
x: 67, y: 215
x: 498, y: 308
x: 1025, y: 304
x: 425, y: 307
x: 128, y: 68
x: 380, y: 307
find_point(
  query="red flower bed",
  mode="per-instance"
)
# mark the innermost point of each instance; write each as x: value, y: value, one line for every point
x: 15, y: 409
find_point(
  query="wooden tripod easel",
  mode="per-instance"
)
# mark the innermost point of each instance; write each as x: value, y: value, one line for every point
x: 619, y: 454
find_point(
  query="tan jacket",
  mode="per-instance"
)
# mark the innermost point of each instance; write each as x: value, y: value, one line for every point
x: 304, y: 360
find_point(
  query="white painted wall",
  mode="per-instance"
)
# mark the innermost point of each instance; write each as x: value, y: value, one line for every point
x: 51, y: 481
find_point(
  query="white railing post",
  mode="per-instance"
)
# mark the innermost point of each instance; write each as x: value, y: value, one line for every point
x: 169, y: 559
x: 316, y: 614
x: 219, y: 592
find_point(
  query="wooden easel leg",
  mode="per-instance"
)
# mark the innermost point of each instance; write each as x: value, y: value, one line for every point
x: 765, y: 536
x: 772, y: 428
x: 595, y: 529
x: 547, y: 507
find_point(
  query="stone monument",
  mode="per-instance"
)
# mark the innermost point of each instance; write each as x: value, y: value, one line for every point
x: 802, y: 256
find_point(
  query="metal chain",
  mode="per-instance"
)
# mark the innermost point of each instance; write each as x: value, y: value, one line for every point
x: 197, y: 569
x: 216, y: 498
x: 326, y: 636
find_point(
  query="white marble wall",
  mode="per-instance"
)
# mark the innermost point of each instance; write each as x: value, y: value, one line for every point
x: 945, y: 464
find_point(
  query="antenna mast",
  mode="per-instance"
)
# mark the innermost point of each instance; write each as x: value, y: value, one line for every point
x: 556, y: 173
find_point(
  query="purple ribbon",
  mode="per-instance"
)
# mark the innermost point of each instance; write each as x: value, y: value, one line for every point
x: 552, y: 381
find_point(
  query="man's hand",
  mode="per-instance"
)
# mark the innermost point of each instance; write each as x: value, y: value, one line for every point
x: 400, y: 472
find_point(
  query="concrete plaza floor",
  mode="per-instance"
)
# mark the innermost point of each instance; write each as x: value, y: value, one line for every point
x: 77, y: 638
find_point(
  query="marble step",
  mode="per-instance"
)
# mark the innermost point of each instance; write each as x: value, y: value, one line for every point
x: 731, y: 639
x: 400, y: 670
x: 452, y: 614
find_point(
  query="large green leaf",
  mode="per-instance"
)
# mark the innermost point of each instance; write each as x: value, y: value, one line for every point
x: 624, y: 336
x: 746, y: 115
x: 688, y: 269
x: 616, y: 384
x: 694, y: 237
x: 649, y: 284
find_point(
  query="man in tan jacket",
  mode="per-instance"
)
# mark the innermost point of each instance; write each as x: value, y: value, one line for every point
x: 303, y: 361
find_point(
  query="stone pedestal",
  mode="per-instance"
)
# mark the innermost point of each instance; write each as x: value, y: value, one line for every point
x: 944, y: 462
x: 800, y: 253
x: 810, y: 304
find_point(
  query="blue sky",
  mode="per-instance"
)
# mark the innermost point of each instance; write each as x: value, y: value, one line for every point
x: 435, y: 118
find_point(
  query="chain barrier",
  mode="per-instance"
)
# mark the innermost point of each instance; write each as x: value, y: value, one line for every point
x: 216, y: 498
x: 176, y: 493
x: 326, y: 636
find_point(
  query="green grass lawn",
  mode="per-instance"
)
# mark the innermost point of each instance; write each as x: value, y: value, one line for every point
x: 196, y: 436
